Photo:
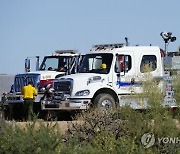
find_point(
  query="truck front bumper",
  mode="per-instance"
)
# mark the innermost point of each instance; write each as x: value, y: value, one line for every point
x: 18, y: 99
x: 73, y: 104
x: 13, y: 99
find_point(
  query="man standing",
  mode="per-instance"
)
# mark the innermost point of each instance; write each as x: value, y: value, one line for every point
x: 28, y: 93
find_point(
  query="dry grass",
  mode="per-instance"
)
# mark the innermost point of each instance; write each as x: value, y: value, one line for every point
x: 61, y: 126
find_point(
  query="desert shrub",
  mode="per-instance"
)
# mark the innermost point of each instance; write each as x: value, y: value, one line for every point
x: 30, y: 139
x: 163, y: 122
x: 152, y: 91
x: 105, y: 130
x: 120, y: 130
x: 101, y: 131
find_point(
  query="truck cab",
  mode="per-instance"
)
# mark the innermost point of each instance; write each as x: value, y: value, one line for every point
x: 108, y: 74
x: 58, y: 64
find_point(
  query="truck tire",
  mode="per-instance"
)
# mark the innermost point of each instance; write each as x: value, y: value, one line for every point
x: 104, y: 101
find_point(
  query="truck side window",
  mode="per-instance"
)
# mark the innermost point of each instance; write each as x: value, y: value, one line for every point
x: 148, y: 63
x: 125, y: 63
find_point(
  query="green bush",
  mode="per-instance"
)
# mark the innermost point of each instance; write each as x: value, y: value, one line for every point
x: 44, y: 139
x: 120, y: 131
x: 103, y: 131
x: 114, y: 131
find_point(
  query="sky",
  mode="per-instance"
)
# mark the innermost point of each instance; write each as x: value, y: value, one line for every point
x: 39, y: 27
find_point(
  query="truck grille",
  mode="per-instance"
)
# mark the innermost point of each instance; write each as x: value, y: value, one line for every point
x: 22, y: 80
x: 63, y: 86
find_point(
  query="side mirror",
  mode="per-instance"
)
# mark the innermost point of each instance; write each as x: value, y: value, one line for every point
x: 37, y: 63
x: 12, y: 89
x: 27, y: 65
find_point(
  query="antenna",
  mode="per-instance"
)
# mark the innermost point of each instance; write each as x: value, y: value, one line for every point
x: 127, y: 42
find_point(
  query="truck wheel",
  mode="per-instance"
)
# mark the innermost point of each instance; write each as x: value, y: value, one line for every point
x: 104, y: 101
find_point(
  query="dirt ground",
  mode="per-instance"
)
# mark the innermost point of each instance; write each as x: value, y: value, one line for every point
x: 62, y: 126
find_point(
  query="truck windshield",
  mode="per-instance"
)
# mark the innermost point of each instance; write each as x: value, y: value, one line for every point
x: 54, y: 63
x: 96, y: 63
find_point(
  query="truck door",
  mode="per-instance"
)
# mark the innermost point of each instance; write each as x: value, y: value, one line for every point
x: 123, y: 73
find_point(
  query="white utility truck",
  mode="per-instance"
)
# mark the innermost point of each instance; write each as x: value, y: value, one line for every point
x: 58, y: 64
x: 108, y: 75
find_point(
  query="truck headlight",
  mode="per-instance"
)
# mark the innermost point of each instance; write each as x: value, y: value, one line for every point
x: 82, y: 93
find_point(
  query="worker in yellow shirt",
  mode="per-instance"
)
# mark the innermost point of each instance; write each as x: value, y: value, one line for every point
x: 28, y: 92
